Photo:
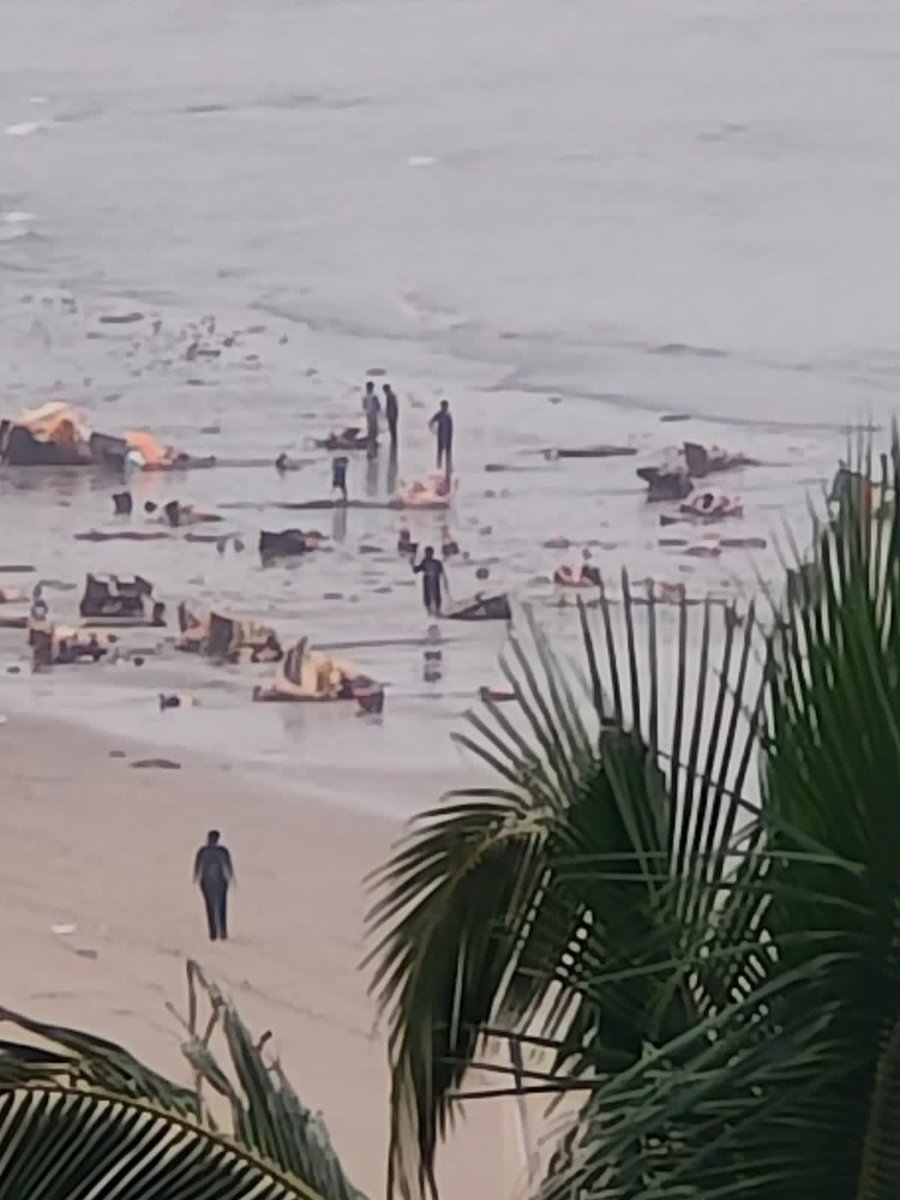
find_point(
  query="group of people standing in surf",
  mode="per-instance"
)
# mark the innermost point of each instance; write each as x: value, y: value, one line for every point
x: 430, y: 567
x: 441, y: 424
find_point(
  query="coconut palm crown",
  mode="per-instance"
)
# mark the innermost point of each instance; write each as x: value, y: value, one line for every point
x: 678, y: 896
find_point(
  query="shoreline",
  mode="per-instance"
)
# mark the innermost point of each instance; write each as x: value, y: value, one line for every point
x: 91, y: 842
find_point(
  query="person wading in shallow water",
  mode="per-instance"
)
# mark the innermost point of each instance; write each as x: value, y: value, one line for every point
x: 214, y: 873
x: 339, y: 477
x: 372, y: 409
x: 432, y: 571
x: 391, y: 412
x: 441, y: 424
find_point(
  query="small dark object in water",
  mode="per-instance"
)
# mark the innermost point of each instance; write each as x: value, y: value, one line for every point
x: 284, y: 463
x: 351, y: 438
x: 121, y: 318
x: 122, y: 535
x: 123, y: 504
x: 288, y: 543
x: 482, y: 608
x: 665, y: 485
x: 108, y: 451
x: 20, y: 448
x: 120, y: 598
x: 208, y: 539
x: 159, y: 764
x: 589, y: 452
x: 369, y: 697
x: 743, y: 543
x: 701, y: 463
x: 173, y: 513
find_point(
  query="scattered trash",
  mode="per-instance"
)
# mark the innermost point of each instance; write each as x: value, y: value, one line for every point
x: 175, y: 701
x: 63, y: 930
x: 158, y: 764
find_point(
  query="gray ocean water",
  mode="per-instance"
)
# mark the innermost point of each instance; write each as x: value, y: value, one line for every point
x: 569, y: 218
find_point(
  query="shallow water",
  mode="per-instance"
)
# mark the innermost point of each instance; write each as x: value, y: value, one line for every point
x: 569, y: 219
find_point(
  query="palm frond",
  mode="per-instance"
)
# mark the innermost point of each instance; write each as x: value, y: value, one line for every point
x: 482, y: 920
x: 89, y: 1061
x: 787, y: 1083
x: 83, y: 1085
x: 67, y: 1144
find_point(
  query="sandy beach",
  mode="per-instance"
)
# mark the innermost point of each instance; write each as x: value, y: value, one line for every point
x: 88, y: 840
x: 576, y: 223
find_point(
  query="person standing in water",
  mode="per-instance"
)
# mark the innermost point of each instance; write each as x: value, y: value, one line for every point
x: 391, y: 412
x: 432, y: 571
x: 441, y: 424
x: 214, y: 873
x: 372, y: 408
x: 339, y: 476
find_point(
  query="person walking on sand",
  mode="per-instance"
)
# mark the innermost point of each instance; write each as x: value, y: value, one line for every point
x: 391, y: 413
x: 372, y: 408
x: 432, y: 571
x: 441, y: 424
x: 214, y: 873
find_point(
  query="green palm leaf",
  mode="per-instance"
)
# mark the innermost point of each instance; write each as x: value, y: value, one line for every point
x: 482, y: 921
x: 686, y: 883
x: 114, y: 1125
x: 60, y: 1144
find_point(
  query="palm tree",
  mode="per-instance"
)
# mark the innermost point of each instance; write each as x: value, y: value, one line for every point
x: 679, y: 895
x: 82, y: 1119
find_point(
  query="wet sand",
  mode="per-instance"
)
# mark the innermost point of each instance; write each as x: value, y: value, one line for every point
x: 88, y: 840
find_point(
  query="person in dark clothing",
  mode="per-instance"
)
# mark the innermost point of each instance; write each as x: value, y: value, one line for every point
x: 441, y: 424
x: 214, y: 873
x: 391, y: 412
x: 372, y: 409
x: 432, y: 571
x: 339, y: 476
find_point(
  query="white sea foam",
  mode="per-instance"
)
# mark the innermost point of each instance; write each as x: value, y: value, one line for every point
x: 26, y: 128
